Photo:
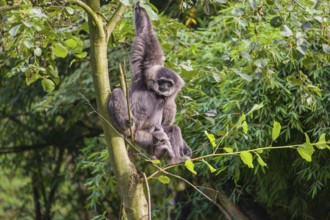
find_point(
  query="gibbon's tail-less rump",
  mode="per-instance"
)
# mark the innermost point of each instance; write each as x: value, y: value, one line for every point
x: 152, y: 97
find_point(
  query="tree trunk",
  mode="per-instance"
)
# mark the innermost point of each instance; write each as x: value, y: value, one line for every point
x: 129, y: 181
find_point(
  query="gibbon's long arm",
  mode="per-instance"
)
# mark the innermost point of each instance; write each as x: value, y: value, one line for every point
x: 147, y: 52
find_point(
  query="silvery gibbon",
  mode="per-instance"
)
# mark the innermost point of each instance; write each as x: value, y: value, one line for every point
x: 152, y: 98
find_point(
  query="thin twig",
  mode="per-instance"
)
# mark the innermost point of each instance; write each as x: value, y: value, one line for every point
x: 234, y: 154
x: 198, y: 190
x: 148, y: 193
x: 110, y: 26
x: 123, y: 83
x: 128, y: 103
x: 94, y: 16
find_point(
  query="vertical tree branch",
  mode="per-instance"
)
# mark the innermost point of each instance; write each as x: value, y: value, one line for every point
x: 129, y: 182
x: 93, y: 15
x: 114, y: 20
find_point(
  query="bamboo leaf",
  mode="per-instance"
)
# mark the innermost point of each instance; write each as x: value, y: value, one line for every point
x: 255, y: 107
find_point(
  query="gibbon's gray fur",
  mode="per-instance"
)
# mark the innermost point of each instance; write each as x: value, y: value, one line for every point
x: 152, y: 97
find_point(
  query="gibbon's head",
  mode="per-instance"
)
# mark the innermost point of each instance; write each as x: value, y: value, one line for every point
x: 164, y: 81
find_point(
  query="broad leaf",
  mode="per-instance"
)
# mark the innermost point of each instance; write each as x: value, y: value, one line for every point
x: 261, y: 63
x: 60, y: 51
x: 322, y: 143
x: 276, y: 130
x: 212, y: 169
x: 245, y: 127
x: 164, y: 179
x: 71, y: 43
x: 260, y: 160
x: 306, y: 152
x: 37, y: 52
x: 190, y: 166
x: 211, y: 138
x: 228, y: 149
x: 286, y: 31
x: 48, y: 85
x: 247, y: 158
x: 13, y: 30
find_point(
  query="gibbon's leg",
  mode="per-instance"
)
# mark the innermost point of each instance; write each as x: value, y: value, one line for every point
x: 118, y: 111
x: 186, y: 150
x: 161, y: 144
x: 143, y: 138
x: 181, y: 150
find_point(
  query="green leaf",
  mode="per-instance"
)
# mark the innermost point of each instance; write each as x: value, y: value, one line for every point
x: 81, y: 55
x: 245, y: 127
x: 228, y: 149
x: 28, y: 43
x: 190, y: 166
x: 241, y: 119
x: 155, y: 161
x: 69, y: 10
x: 322, y: 143
x: 256, y: 107
x: 152, y: 15
x: 276, y: 130
x: 212, y: 169
x: 247, y: 158
x: 286, y: 31
x: 261, y: 63
x: 238, y: 12
x: 37, y: 52
x: 211, y: 138
x: 306, y: 152
x: 48, y: 85
x: 164, y: 179
x: 13, y: 30
x: 243, y: 75
x: 31, y: 77
x: 71, y: 43
x: 260, y: 160
x: 308, y: 142
x: 60, y: 51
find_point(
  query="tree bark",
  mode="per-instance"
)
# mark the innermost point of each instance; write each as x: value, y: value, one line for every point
x: 129, y: 181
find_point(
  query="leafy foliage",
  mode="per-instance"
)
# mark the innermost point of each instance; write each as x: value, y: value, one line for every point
x: 256, y: 79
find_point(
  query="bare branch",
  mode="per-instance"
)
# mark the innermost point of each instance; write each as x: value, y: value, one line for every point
x: 149, y: 198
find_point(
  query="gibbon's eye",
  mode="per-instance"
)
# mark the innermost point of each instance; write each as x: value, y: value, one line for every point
x: 164, y: 84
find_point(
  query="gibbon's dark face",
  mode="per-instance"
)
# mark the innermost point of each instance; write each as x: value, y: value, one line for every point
x: 167, y: 82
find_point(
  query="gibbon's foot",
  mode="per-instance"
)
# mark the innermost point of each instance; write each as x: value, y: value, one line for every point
x: 161, y: 151
x: 130, y: 123
x: 176, y: 160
